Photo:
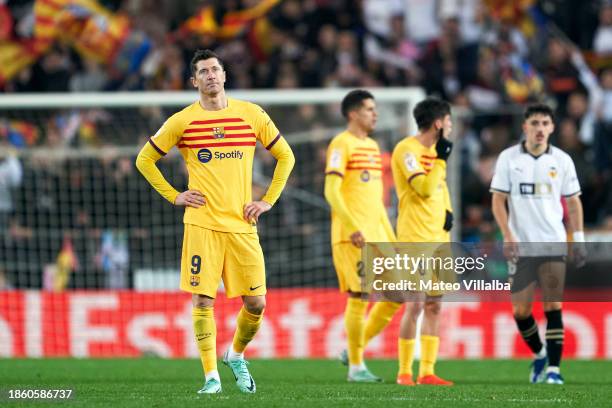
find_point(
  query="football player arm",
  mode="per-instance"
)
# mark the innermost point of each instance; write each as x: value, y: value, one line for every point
x: 145, y: 163
x: 575, y: 214
x: 333, y: 184
x: 500, y: 213
x: 285, y: 162
x: 425, y: 184
x: 11, y: 172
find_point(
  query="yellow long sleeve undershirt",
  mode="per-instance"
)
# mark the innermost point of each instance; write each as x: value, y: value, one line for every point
x: 285, y: 162
x: 333, y: 184
x: 426, y: 185
x: 145, y: 163
x: 148, y: 156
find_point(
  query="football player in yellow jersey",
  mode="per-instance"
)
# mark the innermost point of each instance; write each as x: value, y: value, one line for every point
x: 216, y: 136
x: 425, y: 215
x: 354, y: 190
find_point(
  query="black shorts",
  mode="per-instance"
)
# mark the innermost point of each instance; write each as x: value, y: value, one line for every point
x: 522, y: 273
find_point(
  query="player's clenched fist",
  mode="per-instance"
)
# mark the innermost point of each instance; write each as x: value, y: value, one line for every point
x: 190, y: 198
x: 254, y: 209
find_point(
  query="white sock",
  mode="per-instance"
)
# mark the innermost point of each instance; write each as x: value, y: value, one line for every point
x: 213, y: 374
x: 353, y: 368
x: 553, y: 369
x: 234, y: 355
x: 542, y: 352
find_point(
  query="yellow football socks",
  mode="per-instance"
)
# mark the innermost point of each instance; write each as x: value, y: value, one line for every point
x: 205, y: 332
x: 379, y: 317
x: 247, y: 325
x: 354, y: 322
x: 429, y: 353
x: 405, y: 354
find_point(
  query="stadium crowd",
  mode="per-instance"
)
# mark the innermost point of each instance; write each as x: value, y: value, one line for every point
x: 486, y: 56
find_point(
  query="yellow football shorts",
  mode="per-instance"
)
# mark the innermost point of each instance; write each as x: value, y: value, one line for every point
x: 209, y: 256
x: 349, y: 267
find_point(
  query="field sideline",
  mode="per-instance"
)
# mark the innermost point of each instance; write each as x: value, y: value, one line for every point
x: 151, y: 382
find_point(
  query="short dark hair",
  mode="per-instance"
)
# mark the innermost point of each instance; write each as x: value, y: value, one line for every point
x: 201, y: 55
x: 429, y: 110
x: 538, y: 109
x: 353, y: 100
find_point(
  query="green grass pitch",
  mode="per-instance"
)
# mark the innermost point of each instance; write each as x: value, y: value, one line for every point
x: 151, y: 382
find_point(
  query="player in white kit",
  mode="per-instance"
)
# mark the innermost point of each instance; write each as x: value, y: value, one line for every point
x: 531, y: 178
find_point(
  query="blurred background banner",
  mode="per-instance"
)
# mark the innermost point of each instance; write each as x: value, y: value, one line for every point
x: 85, y: 83
x: 298, y: 324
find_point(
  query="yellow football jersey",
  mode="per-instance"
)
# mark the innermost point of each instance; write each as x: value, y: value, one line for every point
x: 359, y: 163
x: 420, y: 219
x: 218, y: 148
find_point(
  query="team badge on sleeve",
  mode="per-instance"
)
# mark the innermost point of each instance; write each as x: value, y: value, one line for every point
x: 335, y: 158
x: 410, y: 162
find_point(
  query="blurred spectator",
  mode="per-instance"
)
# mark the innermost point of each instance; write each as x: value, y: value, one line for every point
x: 394, y: 51
x: 113, y: 258
x: 11, y: 174
x: 421, y: 20
x: 91, y: 79
x: 165, y: 69
x: 54, y: 71
x: 484, y: 92
x: 560, y: 75
x: 328, y: 42
x: 448, y: 62
x: 596, y: 115
x: 469, y: 13
x: 348, y: 72
x: 603, y: 125
x: 569, y: 142
x: 602, y: 43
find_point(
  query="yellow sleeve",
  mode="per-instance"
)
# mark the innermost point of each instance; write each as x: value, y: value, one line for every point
x: 425, y: 185
x: 265, y: 129
x: 269, y: 136
x: 168, y: 135
x: 406, y: 162
x: 333, y: 184
x: 337, y: 157
x: 285, y: 161
x: 145, y: 162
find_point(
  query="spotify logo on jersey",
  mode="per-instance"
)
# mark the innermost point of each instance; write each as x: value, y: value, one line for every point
x: 204, y: 155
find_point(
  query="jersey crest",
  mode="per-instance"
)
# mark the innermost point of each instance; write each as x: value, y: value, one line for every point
x: 219, y: 132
